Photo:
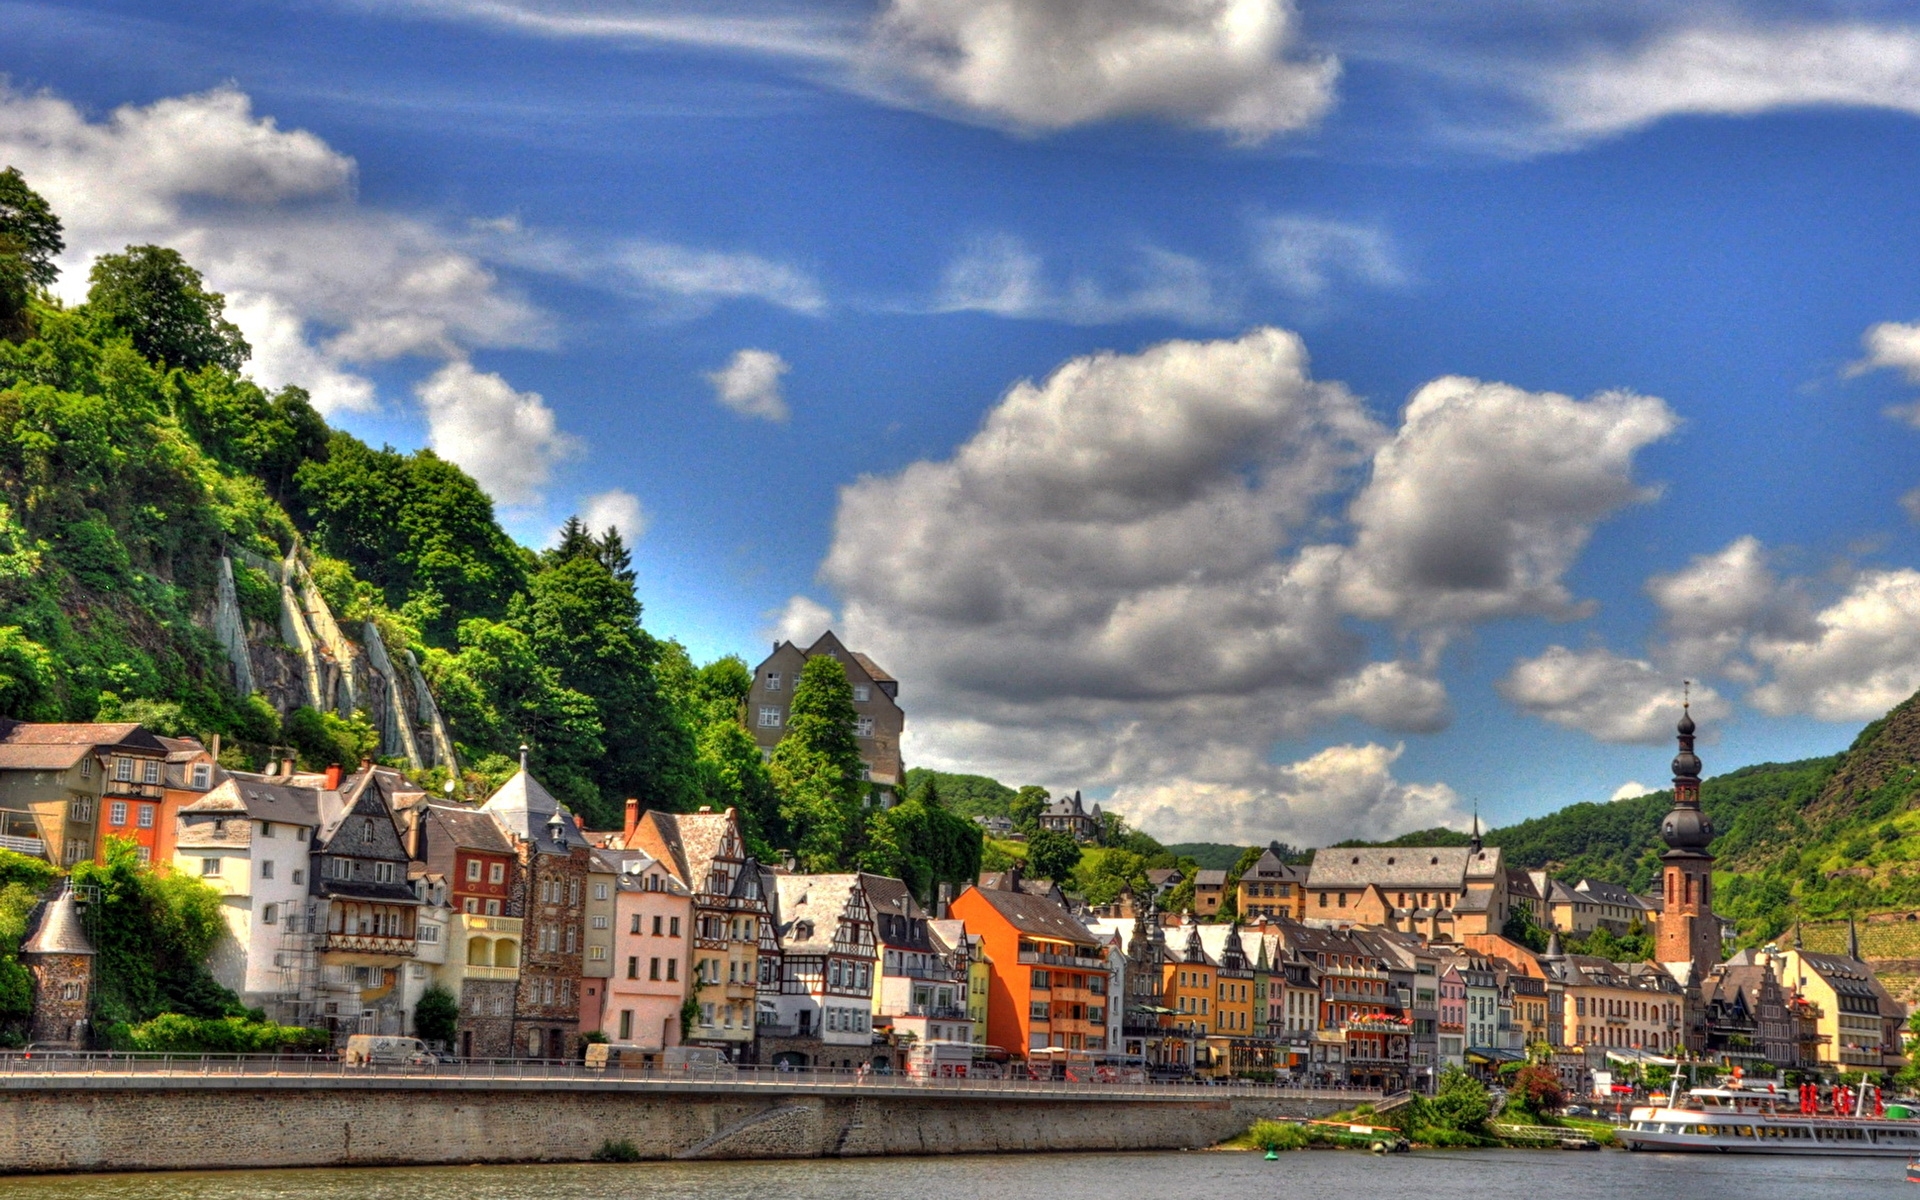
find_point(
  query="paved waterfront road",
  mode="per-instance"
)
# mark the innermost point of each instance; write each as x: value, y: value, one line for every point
x: 1306, y: 1175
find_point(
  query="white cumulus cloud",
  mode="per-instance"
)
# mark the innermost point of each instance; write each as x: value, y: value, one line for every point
x: 615, y: 508
x: 750, y: 384
x: 1338, y: 793
x: 1859, y: 657
x: 1231, y: 65
x: 508, y: 440
x: 1630, y: 790
x: 801, y: 620
x: 1487, y: 495
x: 1605, y: 695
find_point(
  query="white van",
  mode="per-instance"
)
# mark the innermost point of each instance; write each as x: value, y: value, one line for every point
x: 367, y: 1049
x: 695, y: 1060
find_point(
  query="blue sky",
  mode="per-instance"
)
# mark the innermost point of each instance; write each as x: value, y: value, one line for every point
x: 762, y: 283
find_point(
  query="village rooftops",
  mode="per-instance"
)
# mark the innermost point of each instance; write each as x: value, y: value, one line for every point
x: 808, y: 909
x: 1433, y: 868
x: 469, y: 828
x: 526, y: 810
x: 277, y: 802
x: 26, y: 746
x: 1038, y: 918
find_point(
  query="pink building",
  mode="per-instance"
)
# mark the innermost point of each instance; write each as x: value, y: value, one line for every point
x: 653, y: 933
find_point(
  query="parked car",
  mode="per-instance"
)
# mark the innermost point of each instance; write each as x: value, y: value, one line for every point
x: 369, y: 1049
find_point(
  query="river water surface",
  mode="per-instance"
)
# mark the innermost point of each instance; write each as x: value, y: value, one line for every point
x: 1303, y: 1175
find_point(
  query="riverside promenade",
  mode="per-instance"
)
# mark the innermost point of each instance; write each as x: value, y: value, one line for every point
x: 75, y: 1112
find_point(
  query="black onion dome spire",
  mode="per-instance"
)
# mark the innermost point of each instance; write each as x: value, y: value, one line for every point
x: 1686, y: 829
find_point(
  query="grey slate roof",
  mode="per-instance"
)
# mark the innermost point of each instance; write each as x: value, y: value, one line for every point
x: 277, y: 802
x: 524, y: 808
x: 470, y: 828
x: 1431, y: 867
x: 59, y: 930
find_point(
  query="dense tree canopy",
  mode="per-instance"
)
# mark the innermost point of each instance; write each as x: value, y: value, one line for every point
x: 150, y: 294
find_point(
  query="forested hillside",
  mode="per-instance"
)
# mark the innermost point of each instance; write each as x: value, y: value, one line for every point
x: 140, y: 468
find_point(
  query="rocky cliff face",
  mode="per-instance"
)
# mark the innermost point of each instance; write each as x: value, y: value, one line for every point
x: 310, y: 659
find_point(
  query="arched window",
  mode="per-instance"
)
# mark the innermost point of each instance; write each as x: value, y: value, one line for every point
x: 506, y: 953
x: 479, y: 953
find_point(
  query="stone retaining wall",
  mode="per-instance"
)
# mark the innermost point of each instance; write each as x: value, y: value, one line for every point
x: 112, y: 1125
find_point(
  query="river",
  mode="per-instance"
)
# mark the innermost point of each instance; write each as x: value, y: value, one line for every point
x: 1303, y: 1175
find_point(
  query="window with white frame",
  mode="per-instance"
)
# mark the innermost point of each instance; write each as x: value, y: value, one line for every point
x: 600, y: 922
x: 861, y: 693
x: 497, y: 873
x: 202, y: 775
x: 863, y: 727
x: 428, y: 933
x: 209, y: 866
x: 597, y: 953
x: 773, y: 681
x: 82, y: 810
x: 473, y: 870
x: 151, y: 773
x: 144, y: 816
x: 117, y: 813
x: 769, y: 717
x: 123, y: 770
x: 383, y: 872
x: 599, y: 891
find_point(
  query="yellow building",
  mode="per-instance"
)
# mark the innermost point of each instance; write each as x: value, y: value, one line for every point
x: 1272, y: 888
x: 1858, y: 1023
x: 1188, y: 992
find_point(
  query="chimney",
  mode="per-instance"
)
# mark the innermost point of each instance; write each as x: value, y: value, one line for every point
x: 1013, y: 876
x: 333, y: 777
x: 286, y: 766
x: 633, y: 822
x: 944, y: 899
x: 216, y: 749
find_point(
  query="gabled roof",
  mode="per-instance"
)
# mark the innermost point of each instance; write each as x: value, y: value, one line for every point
x: 261, y: 801
x: 1041, y: 918
x: 28, y: 746
x: 1609, y: 893
x: 687, y: 842
x: 873, y: 669
x: 525, y: 809
x: 1271, y: 866
x: 1431, y: 867
x: 469, y: 828
x: 810, y: 908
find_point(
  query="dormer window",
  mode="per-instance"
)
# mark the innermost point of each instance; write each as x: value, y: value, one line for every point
x: 202, y: 775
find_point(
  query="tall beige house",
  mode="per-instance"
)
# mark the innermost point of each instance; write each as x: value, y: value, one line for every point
x: 878, y: 719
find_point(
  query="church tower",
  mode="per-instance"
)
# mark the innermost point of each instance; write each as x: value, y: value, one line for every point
x: 1689, y: 933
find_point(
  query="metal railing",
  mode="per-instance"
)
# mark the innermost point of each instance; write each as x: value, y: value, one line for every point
x: 100, y: 1068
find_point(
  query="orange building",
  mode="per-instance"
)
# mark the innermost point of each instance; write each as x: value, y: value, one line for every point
x: 1190, y: 980
x: 1050, y: 986
x: 146, y: 814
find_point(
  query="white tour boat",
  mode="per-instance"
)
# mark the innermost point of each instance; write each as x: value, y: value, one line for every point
x: 1749, y: 1119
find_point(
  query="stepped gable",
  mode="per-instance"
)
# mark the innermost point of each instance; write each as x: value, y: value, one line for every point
x: 1884, y: 748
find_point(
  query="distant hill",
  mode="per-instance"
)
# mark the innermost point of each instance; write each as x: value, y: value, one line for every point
x: 968, y: 795
x: 1212, y: 856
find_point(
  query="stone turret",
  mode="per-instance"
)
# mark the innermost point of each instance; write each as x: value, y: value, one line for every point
x: 59, y: 958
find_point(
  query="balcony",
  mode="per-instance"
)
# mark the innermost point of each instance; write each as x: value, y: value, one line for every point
x: 478, y: 925
x: 366, y: 943
x: 1042, y: 958
x: 24, y: 845
x: 127, y: 789
x: 942, y: 1012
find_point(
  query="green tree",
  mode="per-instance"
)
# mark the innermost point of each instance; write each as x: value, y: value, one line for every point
x: 585, y: 625
x: 1460, y: 1102
x: 324, y: 739
x: 1101, y: 878
x: 153, y: 296
x: 923, y: 845
x: 1053, y: 855
x: 436, y: 1016
x: 1026, y: 808
x: 29, y: 242
x: 1520, y: 927
x: 152, y: 932
x: 817, y: 771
